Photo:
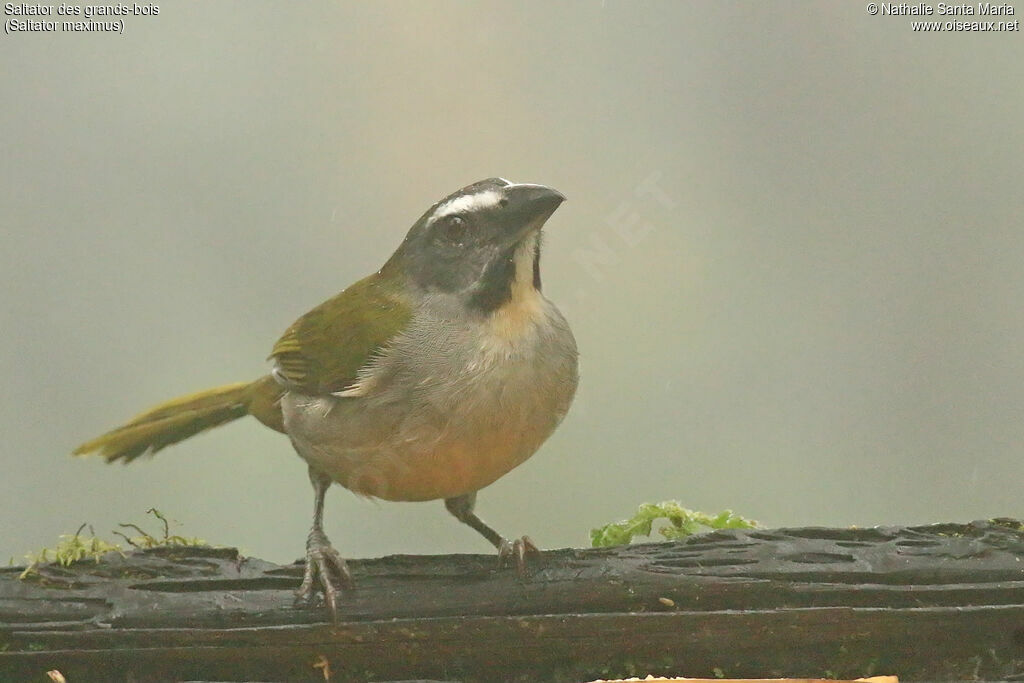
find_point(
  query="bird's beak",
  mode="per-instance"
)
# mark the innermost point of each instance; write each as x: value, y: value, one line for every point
x: 529, y: 206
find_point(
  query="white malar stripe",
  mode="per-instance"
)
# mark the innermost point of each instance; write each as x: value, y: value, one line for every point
x: 467, y: 202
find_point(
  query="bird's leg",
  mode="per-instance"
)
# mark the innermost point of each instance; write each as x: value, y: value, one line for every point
x: 325, y: 568
x: 462, y: 508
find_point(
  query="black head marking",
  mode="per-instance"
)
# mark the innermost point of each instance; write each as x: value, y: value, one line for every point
x: 466, y: 244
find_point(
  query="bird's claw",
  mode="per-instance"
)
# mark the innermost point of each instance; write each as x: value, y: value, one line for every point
x: 326, y: 572
x: 517, y: 551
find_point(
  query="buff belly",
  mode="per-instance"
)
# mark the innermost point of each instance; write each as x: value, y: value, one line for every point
x: 429, y: 453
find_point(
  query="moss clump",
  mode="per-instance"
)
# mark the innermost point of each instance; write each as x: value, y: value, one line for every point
x: 77, y: 547
x: 680, y: 523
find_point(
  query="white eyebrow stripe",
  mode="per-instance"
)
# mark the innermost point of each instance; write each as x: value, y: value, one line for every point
x: 467, y: 202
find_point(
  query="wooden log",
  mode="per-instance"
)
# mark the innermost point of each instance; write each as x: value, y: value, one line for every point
x: 939, y: 602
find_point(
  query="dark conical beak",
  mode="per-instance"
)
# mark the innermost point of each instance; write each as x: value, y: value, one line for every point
x: 529, y: 206
x: 539, y: 197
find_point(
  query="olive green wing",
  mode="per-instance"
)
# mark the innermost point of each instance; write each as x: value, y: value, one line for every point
x: 323, y: 350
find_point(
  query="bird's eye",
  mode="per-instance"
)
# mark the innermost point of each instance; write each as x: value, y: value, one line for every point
x: 455, y: 229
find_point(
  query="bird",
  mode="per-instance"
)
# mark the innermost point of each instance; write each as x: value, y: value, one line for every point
x: 427, y: 380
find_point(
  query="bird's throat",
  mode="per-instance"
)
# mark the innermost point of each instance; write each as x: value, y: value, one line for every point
x: 509, y: 295
x: 514, y: 276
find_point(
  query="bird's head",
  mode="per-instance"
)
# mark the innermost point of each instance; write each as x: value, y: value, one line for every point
x: 478, y: 242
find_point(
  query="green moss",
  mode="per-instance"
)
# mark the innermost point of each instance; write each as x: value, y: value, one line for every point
x: 77, y: 547
x: 1011, y: 524
x: 145, y: 540
x: 681, y: 523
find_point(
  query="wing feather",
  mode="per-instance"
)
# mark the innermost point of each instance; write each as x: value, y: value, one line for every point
x: 322, y: 352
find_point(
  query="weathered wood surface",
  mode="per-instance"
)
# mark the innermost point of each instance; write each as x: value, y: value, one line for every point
x: 928, y: 603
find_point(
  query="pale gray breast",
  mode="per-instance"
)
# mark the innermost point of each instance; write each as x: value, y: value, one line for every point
x: 466, y: 368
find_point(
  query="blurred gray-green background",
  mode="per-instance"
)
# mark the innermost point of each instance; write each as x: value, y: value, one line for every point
x: 792, y: 254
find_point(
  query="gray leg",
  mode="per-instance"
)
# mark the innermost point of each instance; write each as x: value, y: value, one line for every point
x: 325, y: 568
x: 462, y: 508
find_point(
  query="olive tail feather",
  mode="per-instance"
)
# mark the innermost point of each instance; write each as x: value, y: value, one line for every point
x: 180, y: 418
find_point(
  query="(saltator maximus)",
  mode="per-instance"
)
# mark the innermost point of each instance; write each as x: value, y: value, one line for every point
x: 427, y: 380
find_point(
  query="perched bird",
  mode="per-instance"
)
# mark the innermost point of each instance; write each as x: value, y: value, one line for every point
x: 429, y: 379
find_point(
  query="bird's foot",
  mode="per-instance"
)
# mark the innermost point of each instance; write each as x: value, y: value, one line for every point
x: 326, y: 572
x: 516, y: 551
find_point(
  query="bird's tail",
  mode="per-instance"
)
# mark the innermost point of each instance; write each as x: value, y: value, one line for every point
x: 180, y: 418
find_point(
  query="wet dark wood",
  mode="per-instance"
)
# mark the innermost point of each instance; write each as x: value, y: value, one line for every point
x: 935, y: 602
